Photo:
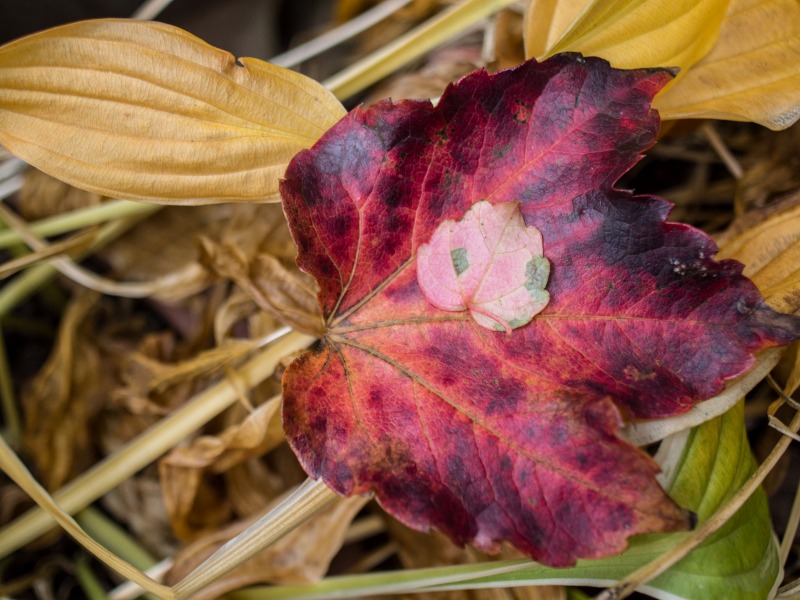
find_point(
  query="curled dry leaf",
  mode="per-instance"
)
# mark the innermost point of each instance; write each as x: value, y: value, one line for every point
x: 183, y: 471
x: 66, y: 396
x: 208, y: 361
x: 301, y: 556
x: 166, y: 244
x: 284, y: 295
x: 509, y: 50
x: 98, y: 104
x: 138, y: 503
x: 767, y: 241
x: 772, y: 167
x: 480, y: 434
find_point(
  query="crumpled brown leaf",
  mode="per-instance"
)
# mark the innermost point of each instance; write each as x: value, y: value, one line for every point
x: 286, y: 295
x: 167, y: 243
x: 66, y: 395
x: 138, y: 503
x: 185, y: 471
x: 302, y: 556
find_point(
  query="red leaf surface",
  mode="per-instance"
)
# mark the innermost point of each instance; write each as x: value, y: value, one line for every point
x: 491, y: 436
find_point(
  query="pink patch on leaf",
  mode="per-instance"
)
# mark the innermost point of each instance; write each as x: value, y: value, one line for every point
x: 489, y: 263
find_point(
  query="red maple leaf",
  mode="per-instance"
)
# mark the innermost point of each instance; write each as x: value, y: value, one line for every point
x: 509, y: 435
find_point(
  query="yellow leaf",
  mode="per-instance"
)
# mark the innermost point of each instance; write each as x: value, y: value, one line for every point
x: 545, y: 21
x: 752, y: 74
x: 652, y: 33
x: 767, y: 241
x: 147, y: 111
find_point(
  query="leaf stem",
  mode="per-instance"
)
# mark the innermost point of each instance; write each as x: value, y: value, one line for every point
x: 151, y: 444
x: 410, y: 46
x: 308, y: 499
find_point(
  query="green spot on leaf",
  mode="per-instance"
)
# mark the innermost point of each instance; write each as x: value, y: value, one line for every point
x: 537, y: 272
x: 460, y: 260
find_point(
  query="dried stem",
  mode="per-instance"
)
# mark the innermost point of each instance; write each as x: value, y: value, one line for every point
x: 412, y: 45
x: 731, y: 162
x: 69, y: 268
x: 27, y: 283
x: 18, y: 473
x: 308, y: 499
x: 150, y: 9
x: 791, y: 527
x: 336, y: 36
x: 82, y: 217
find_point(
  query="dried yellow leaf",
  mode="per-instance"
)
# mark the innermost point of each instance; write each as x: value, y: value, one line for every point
x: 657, y: 33
x: 545, y: 21
x: 147, y: 111
x: 767, y: 241
x: 753, y: 72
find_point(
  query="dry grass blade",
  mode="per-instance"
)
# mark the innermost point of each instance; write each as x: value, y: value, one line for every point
x: 69, y: 221
x: 722, y: 149
x: 131, y: 591
x: 150, y: 9
x: 95, y: 282
x: 8, y: 400
x: 299, y: 506
x: 336, y: 36
x: 74, y: 244
x: 10, y: 186
x: 97, y: 104
x: 16, y: 470
x: 412, y: 45
x: 791, y: 527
